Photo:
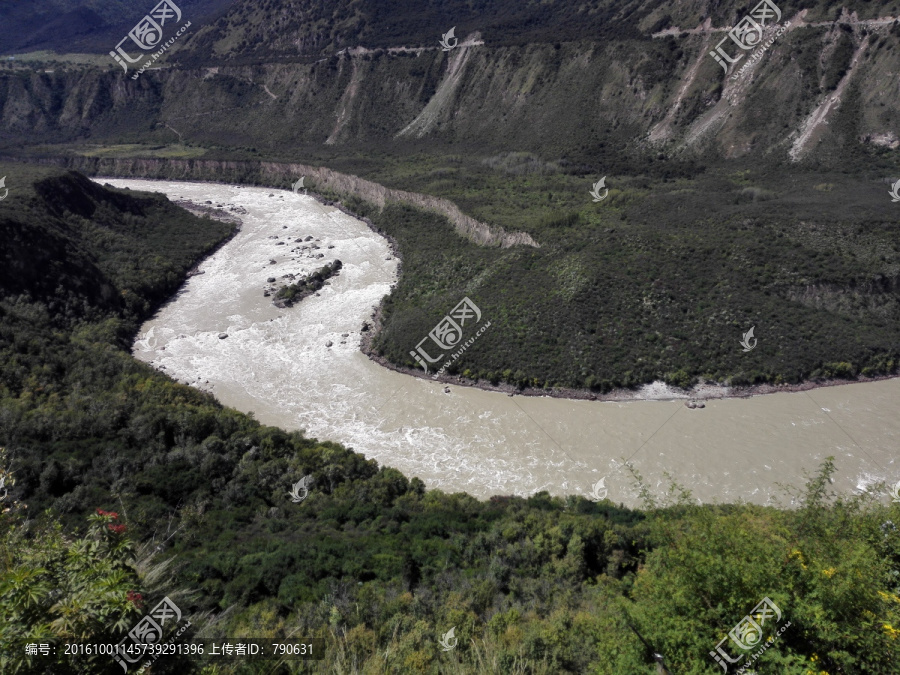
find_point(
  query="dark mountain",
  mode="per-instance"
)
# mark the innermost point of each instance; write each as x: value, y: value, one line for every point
x: 588, y: 84
x: 91, y: 26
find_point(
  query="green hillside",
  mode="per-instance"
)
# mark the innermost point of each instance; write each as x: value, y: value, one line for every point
x: 370, y: 561
x: 660, y: 280
x: 735, y: 200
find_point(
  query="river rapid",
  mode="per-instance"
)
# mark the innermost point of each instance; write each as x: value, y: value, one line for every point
x: 275, y: 363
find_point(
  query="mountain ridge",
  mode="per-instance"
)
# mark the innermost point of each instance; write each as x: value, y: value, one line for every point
x: 591, y: 102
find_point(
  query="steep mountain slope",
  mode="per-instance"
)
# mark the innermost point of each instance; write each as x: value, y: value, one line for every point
x: 589, y: 101
x: 283, y: 28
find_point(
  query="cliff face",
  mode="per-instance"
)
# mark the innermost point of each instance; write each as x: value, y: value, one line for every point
x: 316, y: 178
x: 814, y: 90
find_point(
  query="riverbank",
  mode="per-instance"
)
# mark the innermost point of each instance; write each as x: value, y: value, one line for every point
x: 279, y: 365
x: 654, y: 391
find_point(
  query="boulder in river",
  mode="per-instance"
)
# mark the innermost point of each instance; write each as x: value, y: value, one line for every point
x: 270, y: 280
x: 222, y: 336
x: 329, y: 343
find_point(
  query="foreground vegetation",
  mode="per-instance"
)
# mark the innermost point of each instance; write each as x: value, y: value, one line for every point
x: 187, y: 499
x: 540, y: 585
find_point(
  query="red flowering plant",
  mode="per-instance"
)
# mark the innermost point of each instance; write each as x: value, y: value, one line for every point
x: 135, y: 599
x: 110, y: 516
x: 107, y: 533
x: 107, y: 520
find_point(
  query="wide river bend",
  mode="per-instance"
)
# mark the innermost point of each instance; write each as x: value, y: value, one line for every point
x: 275, y: 363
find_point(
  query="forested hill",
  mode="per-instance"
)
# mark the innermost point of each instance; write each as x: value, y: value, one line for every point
x: 378, y: 567
x: 86, y: 252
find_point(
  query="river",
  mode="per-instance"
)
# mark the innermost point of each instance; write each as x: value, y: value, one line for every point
x: 275, y: 363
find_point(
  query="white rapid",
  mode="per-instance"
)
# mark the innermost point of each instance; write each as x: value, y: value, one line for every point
x: 275, y: 363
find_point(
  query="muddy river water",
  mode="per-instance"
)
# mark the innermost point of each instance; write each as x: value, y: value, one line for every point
x: 275, y: 363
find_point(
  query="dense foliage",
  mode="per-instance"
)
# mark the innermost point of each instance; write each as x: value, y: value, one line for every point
x: 370, y: 561
x: 60, y: 589
x: 619, y: 295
